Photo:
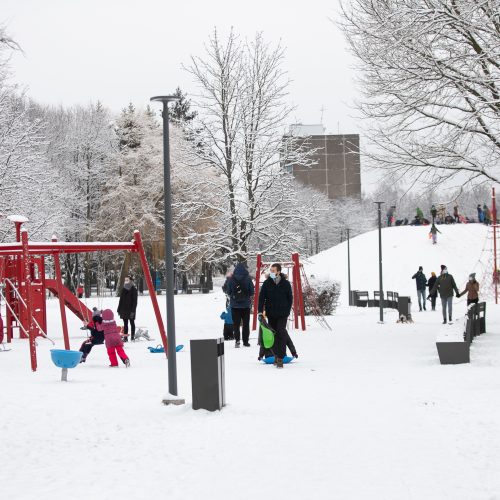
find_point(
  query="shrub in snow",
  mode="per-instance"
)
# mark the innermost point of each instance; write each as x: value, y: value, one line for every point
x: 321, y: 296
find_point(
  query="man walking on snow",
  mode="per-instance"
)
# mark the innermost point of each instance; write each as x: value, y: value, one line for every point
x: 276, y: 299
x: 421, y: 280
x: 446, y: 286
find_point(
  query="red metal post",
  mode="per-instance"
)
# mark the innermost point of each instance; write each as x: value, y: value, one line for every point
x: 139, y: 248
x: 60, y: 295
x: 27, y: 288
x: 300, y: 295
x: 495, y: 272
x: 295, y: 294
x: 257, y: 289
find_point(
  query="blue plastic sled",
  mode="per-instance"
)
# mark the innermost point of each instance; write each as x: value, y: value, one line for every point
x: 159, y: 348
x: 270, y: 360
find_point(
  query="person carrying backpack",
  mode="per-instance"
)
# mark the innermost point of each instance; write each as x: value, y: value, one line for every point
x: 240, y: 290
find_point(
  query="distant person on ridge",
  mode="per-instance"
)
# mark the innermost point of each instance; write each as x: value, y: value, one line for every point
x: 276, y: 298
x: 390, y: 215
x: 480, y: 215
x: 434, y: 213
x: 486, y: 215
x: 421, y: 281
x: 430, y: 285
x: 446, y: 286
x: 420, y: 214
x: 240, y: 290
x: 456, y: 214
x: 472, y: 290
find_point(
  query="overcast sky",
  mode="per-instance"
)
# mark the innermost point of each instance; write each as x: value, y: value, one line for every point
x: 117, y: 51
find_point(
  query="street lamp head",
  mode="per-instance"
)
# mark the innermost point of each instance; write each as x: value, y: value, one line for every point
x: 165, y: 98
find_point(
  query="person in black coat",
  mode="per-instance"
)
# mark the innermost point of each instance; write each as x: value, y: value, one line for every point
x: 240, y: 290
x: 276, y: 298
x: 127, y: 306
x: 421, y: 281
x: 430, y: 284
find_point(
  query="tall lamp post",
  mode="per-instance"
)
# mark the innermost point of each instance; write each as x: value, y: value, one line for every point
x: 169, y: 257
x: 381, y: 287
x: 349, y: 265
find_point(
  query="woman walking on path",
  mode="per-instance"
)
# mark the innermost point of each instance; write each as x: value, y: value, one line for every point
x: 472, y: 290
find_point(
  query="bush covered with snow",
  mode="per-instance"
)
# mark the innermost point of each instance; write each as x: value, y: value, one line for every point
x: 321, y: 296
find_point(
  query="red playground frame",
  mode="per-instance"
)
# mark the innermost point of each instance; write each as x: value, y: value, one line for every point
x: 23, y: 281
x: 298, y: 297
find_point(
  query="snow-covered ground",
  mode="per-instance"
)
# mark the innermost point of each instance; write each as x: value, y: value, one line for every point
x: 367, y: 411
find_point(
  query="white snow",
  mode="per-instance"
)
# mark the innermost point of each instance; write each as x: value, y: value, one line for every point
x: 367, y: 411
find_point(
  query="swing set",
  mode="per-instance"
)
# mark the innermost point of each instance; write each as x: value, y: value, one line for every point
x: 24, y: 286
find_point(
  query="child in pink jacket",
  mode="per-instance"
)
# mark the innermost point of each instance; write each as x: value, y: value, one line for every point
x: 113, y: 339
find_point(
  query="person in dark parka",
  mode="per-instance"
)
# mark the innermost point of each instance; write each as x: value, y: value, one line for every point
x: 127, y: 306
x: 421, y: 281
x: 240, y: 290
x: 430, y: 285
x: 276, y: 298
x: 446, y: 286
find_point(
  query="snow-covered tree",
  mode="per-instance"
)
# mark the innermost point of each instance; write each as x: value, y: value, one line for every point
x: 243, y: 112
x: 430, y: 73
x: 28, y: 183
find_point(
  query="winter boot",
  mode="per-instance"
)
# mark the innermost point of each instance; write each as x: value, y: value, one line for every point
x: 127, y: 363
x: 237, y: 344
x: 279, y: 362
x: 246, y: 344
x: 444, y: 322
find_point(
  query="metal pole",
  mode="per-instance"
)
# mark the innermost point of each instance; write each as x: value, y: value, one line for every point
x: 495, y: 272
x: 349, y: 264
x: 169, y: 257
x: 381, y: 287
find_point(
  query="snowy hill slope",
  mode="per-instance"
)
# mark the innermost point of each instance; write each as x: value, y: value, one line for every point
x: 464, y: 248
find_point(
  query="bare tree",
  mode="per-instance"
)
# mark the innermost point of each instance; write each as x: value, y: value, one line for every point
x: 430, y: 73
x: 243, y: 112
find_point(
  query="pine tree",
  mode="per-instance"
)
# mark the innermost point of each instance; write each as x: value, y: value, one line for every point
x: 181, y: 110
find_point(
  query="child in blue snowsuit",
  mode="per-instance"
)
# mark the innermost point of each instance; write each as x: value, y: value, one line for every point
x: 228, y: 324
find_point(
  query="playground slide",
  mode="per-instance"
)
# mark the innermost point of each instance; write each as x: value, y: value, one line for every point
x: 72, y: 302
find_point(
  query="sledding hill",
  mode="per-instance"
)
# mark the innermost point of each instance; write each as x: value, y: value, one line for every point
x: 464, y: 248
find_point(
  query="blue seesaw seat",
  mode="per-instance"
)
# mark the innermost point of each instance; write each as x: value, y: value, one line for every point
x: 65, y: 359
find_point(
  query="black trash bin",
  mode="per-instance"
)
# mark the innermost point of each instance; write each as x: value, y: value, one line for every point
x: 207, y: 374
x: 404, y: 307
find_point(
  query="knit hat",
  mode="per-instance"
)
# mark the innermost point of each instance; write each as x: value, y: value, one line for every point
x: 472, y: 275
x: 107, y: 315
x: 96, y: 312
x: 420, y: 268
x: 443, y: 267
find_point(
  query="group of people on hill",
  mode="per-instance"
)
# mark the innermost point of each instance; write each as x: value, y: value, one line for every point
x: 439, y: 215
x: 275, y: 304
x: 104, y: 330
x: 446, y: 286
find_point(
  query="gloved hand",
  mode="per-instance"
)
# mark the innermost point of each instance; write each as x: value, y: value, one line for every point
x: 259, y: 316
x: 428, y: 297
x: 295, y: 355
x: 458, y: 295
x: 83, y: 328
x: 132, y: 315
x: 259, y: 358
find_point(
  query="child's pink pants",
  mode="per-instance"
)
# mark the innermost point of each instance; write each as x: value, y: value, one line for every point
x: 113, y: 351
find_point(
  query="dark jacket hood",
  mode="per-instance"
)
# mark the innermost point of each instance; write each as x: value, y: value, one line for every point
x: 240, y: 272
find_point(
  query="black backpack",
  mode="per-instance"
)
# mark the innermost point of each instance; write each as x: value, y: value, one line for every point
x: 240, y: 292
